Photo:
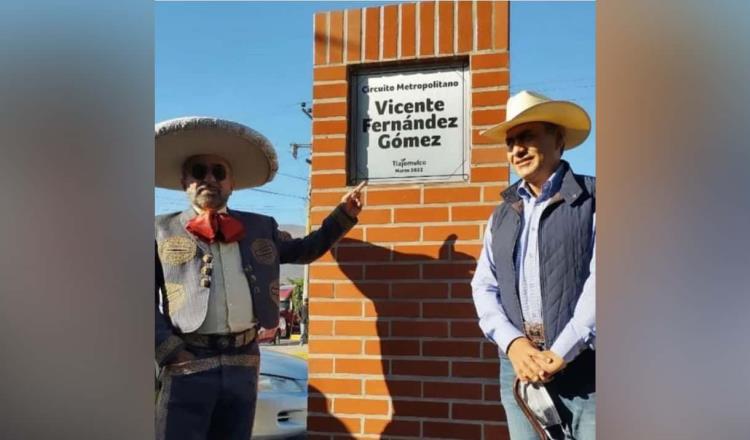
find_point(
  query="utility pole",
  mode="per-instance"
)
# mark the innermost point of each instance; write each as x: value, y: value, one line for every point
x: 305, y: 109
x: 295, y: 147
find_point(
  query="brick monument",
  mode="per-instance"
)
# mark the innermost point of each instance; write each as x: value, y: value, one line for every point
x: 395, y: 350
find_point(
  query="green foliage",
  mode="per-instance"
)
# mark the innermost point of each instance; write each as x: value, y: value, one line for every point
x: 297, y: 293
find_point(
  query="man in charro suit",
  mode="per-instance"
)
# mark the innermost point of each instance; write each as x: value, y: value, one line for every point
x: 217, y: 275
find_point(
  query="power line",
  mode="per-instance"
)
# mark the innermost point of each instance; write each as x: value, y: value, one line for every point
x: 175, y: 202
x: 292, y: 176
x: 278, y: 194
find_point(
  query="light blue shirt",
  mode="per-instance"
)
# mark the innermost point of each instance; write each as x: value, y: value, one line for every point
x: 527, y: 248
x: 580, y: 331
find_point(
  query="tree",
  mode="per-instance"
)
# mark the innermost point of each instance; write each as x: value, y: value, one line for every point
x: 296, y: 296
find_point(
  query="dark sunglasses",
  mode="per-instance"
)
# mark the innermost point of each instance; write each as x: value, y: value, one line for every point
x: 199, y: 171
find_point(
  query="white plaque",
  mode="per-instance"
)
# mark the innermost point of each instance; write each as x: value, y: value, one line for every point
x: 409, y: 125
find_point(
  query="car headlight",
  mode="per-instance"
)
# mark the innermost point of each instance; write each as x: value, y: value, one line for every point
x: 278, y: 384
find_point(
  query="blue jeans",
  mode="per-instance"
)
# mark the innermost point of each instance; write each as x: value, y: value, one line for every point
x: 577, y: 408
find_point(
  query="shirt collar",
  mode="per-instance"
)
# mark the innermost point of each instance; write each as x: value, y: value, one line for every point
x: 550, y: 187
x: 199, y: 211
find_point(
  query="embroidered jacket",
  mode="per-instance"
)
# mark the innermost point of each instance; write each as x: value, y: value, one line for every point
x: 183, y: 265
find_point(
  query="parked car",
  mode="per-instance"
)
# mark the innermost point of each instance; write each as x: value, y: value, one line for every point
x: 281, y: 411
x: 280, y: 332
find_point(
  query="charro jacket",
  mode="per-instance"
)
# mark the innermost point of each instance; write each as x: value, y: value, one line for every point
x: 183, y: 261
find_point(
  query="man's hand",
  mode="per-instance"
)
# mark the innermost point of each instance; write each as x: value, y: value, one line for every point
x: 551, y: 364
x: 528, y: 362
x: 266, y: 334
x: 352, y: 201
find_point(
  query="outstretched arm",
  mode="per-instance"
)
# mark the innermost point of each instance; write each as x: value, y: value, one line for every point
x: 336, y: 225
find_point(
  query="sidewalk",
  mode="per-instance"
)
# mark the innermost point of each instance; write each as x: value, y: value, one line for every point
x: 290, y: 346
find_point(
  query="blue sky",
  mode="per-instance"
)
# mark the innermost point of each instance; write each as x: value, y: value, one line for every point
x: 252, y: 63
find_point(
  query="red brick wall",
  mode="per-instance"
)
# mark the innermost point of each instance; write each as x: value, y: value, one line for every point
x: 395, y: 350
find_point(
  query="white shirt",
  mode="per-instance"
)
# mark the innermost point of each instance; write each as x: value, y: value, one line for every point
x: 230, y: 305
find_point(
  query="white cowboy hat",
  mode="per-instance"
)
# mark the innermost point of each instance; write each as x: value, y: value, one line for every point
x: 250, y: 154
x: 527, y: 106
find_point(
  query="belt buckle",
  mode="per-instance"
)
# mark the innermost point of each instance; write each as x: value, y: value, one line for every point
x: 535, y: 332
x: 223, y: 342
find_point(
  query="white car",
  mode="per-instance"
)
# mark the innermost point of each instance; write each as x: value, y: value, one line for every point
x: 281, y: 411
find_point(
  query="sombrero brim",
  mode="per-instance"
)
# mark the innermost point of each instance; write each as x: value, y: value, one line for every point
x: 564, y: 113
x: 251, y: 156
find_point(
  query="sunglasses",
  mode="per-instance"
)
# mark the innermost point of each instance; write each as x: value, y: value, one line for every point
x: 199, y: 171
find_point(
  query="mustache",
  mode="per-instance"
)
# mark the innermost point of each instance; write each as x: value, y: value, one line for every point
x: 208, y: 186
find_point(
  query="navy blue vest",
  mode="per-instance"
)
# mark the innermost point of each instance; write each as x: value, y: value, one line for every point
x: 565, y: 238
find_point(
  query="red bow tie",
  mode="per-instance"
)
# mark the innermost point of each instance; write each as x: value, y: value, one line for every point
x: 212, y: 226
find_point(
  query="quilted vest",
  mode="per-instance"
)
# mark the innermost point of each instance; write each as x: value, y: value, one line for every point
x: 565, y: 238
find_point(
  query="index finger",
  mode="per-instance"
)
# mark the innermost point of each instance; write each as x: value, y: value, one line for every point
x: 359, y: 187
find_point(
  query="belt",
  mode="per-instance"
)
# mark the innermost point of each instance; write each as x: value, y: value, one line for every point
x: 535, y: 332
x: 220, y: 342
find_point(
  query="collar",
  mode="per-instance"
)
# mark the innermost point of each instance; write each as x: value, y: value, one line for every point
x: 550, y: 187
x: 199, y: 211
x: 570, y: 189
x: 191, y: 212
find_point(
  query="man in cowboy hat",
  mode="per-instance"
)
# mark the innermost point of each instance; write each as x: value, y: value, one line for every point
x: 217, y: 275
x: 534, y: 283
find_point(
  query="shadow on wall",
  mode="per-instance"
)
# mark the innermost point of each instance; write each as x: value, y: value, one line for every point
x: 422, y: 302
x: 324, y: 420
